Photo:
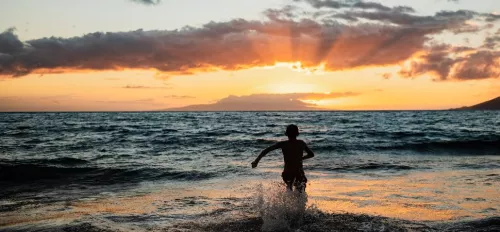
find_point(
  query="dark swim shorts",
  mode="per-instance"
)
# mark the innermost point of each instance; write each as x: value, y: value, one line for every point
x: 294, y: 177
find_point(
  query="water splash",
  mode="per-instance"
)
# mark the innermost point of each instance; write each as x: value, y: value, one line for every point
x: 280, y: 209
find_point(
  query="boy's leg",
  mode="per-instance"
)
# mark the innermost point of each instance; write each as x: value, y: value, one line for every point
x: 288, y: 179
x: 300, y: 186
x: 300, y: 183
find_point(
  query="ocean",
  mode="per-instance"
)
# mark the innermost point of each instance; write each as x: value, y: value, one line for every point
x: 190, y: 171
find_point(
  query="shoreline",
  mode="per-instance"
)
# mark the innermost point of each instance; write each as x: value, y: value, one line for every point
x: 314, y: 221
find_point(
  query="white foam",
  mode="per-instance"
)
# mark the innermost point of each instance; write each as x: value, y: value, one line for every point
x: 280, y: 209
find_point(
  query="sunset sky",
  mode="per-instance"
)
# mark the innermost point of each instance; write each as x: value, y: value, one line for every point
x: 127, y: 55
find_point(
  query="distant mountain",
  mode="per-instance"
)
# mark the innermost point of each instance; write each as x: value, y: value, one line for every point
x: 223, y: 107
x: 256, y: 102
x: 493, y: 104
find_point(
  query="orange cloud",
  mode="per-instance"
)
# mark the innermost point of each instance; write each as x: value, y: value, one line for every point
x: 233, y: 45
x: 447, y: 62
x: 389, y: 36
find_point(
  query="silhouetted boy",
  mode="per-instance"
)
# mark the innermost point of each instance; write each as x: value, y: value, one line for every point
x: 292, y: 149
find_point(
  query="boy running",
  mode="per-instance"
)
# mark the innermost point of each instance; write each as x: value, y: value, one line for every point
x: 292, y: 149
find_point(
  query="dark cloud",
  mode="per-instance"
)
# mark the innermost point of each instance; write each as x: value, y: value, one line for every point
x: 436, y: 62
x: 451, y: 63
x: 443, y: 20
x: 325, y: 4
x: 406, y: 9
x: 460, y: 49
x: 400, y: 15
x: 147, y: 2
x: 332, y: 4
x: 492, y: 17
x: 381, y: 36
x: 9, y: 43
x: 479, y: 65
x: 492, y: 42
x: 255, y: 102
x: 232, y: 45
x: 371, y: 5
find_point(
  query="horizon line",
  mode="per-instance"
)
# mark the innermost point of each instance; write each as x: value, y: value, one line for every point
x: 234, y: 111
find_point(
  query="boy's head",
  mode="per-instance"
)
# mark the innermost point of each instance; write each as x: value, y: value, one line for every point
x: 292, y: 131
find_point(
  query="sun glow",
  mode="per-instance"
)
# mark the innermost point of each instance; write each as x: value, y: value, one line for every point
x: 281, y: 88
x: 320, y: 103
x: 326, y: 103
x: 299, y: 67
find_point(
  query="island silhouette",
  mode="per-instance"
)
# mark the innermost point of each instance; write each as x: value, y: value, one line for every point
x: 493, y: 104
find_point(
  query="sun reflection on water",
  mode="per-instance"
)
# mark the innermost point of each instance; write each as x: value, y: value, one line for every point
x: 420, y: 196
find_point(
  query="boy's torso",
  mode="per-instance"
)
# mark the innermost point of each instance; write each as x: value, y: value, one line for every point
x: 292, y: 154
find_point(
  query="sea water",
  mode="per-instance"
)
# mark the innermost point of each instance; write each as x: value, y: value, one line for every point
x: 191, y: 171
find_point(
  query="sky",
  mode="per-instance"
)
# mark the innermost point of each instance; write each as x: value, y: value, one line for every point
x: 141, y: 55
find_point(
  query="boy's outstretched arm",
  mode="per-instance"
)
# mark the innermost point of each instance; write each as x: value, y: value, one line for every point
x: 264, y: 152
x: 310, y: 154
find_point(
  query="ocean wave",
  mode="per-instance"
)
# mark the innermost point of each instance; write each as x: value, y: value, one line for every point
x: 486, y: 146
x: 60, y: 161
x: 266, y: 141
x: 458, y: 147
x: 484, y: 224
x: 81, y: 146
x: 472, y: 147
x: 318, y: 222
x: 18, y: 134
x: 361, y: 167
x: 218, y: 220
x: 33, y: 172
x: 23, y: 127
x: 405, y: 134
x: 103, y: 128
x: 479, y: 166
x: 331, y: 147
